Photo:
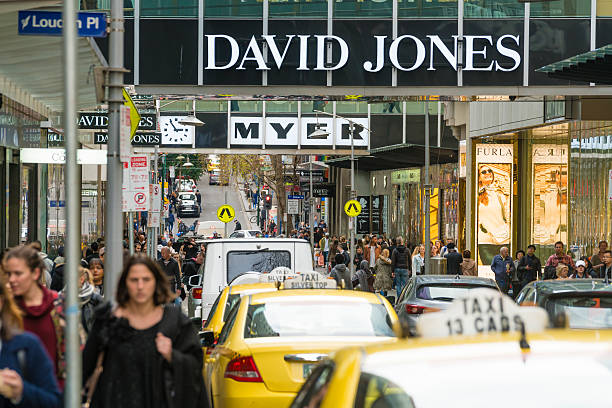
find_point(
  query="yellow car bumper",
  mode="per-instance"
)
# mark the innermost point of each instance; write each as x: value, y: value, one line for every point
x: 250, y: 395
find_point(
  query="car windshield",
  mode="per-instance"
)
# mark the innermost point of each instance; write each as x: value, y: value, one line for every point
x: 240, y: 262
x: 187, y: 196
x: 583, y: 311
x: 447, y: 291
x: 317, y: 317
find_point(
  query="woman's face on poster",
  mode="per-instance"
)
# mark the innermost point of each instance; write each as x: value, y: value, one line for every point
x: 486, y: 176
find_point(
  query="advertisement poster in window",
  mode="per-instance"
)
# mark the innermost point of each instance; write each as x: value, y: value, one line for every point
x: 494, y: 215
x: 549, y: 194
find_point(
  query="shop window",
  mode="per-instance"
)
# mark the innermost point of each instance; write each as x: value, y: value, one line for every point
x: 561, y: 8
x: 211, y: 106
x: 604, y: 8
x: 363, y: 8
x: 233, y: 8
x: 312, y: 106
x: 247, y: 106
x: 282, y: 106
x: 169, y: 8
x: 351, y: 107
x: 303, y: 8
x: 493, y: 9
x: 427, y: 8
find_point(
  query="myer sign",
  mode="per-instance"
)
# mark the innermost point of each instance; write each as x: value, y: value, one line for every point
x: 477, y: 54
x: 293, y: 131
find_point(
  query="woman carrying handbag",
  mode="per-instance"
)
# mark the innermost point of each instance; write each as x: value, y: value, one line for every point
x: 146, y: 352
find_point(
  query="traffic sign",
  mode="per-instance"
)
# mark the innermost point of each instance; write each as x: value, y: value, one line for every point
x: 33, y: 22
x: 352, y: 208
x: 296, y: 197
x: 226, y: 213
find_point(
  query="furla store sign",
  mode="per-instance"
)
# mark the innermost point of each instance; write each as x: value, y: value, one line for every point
x: 480, y: 52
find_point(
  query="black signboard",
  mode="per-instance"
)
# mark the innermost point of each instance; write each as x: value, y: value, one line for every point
x: 324, y: 190
x: 377, y: 205
x: 363, y: 219
x: 99, y: 120
x: 140, y: 139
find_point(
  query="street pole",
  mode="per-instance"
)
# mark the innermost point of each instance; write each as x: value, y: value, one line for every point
x: 311, y: 220
x: 427, y: 191
x: 163, y: 201
x: 131, y: 232
x: 155, y: 228
x: 225, y: 226
x: 353, y: 195
x: 113, y: 260
x: 72, y: 397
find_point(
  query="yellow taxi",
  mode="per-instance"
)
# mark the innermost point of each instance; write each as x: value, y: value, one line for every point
x: 271, y: 341
x: 500, y: 357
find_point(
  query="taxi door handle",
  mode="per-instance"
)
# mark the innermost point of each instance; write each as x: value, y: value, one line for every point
x: 305, y: 357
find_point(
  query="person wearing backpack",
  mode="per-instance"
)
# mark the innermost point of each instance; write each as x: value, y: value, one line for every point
x: 148, y: 352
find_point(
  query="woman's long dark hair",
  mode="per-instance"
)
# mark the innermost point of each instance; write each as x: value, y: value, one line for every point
x: 162, y: 293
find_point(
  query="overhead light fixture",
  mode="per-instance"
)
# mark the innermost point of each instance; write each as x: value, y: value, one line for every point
x: 188, y: 163
x: 191, y: 120
x: 318, y: 133
x: 180, y: 157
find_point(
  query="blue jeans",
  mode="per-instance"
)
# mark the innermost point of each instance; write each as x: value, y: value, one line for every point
x: 401, y: 278
x: 325, y: 253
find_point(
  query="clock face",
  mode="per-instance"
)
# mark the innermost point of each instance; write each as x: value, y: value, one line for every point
x: 173, y: 133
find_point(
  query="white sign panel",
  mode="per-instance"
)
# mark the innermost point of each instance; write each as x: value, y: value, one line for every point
x: 171, y: 169
x: 58, y: 156
x: 610, y: 186
x: 154, y: 219
x: 293, y: 206
x: 553, y: 154
x: 155, y: 190
x: 483, y: 311
x: 136, y: 184
x: 494, y: 153
x: 283, y: 131
x: 125, y: 147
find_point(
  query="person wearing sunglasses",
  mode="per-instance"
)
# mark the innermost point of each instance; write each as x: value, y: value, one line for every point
x: 493, y: 214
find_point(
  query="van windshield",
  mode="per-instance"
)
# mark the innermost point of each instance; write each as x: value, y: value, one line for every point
x: 240, y: 262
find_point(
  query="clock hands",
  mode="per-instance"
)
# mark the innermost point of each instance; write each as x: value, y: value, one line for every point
x: 175, y: 129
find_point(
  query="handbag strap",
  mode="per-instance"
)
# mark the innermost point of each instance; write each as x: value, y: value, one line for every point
x: 92, y: 381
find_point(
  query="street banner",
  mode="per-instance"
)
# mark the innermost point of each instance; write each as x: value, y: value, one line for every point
x: 135, y: 189
x: 125, y: 148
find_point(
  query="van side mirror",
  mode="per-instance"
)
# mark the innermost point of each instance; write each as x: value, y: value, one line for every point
x: 195, y: 280
x: 207, y: 338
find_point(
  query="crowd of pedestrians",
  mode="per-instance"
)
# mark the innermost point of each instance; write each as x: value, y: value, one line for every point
x: 140, y: 351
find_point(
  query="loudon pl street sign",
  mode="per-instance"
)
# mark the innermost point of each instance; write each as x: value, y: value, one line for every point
x: 50, y: 23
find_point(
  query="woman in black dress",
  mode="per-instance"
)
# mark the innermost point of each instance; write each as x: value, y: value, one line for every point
x: 151, y: 353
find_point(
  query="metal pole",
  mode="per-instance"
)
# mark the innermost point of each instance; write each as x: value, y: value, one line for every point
x: 155, y: 177
x: 114, y: 221
x: 311, y: 220
x: 163, y: 201
x: 353, y: 195
x: 131, y: 232
x: 72, y: 397
x: 427, y: 191
x: 225, y: 226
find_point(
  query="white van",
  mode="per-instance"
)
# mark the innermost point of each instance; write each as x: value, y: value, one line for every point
x: 228, y: 259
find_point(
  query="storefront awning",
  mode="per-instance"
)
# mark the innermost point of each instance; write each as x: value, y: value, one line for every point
x: 396, y: 157
x: 593, y: 66
x: 32, y: 69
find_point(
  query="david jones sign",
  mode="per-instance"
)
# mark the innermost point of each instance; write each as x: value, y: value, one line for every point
x: 477, y: 52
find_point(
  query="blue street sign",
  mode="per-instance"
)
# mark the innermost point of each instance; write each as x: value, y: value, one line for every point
x: 296, y: 197
x: 33, y: 22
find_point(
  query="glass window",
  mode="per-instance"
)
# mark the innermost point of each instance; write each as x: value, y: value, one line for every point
x: 427, y: 8
x: 363, y: 8
x: 314, y: 389
x: 394, y: 107
x: 213, y: 309
x: 312, y: 317
x: 169, y: 8
x: 561, y: 8
x: 351, y: 107
x: 447, y: 292
x: 233, y: 8
x: 604, y: 8
x: 231, y: 301
x: 493, y: 8
x: 323, y: 106
x: 282, y: 106
x: 241, y: 262
x: 229, y: 325
x: 583, y: 311
x: 297, y: 8
x: 374, y: 391
x: 211, y: 106
x: 246, y: 106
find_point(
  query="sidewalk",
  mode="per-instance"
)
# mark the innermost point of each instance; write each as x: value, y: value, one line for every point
x: 244, y: 202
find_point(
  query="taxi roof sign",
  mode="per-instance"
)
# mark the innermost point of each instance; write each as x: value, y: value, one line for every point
x: 310, y: 280
x: 226, y: 213
x: 485, y: 311
x: 352, y: 208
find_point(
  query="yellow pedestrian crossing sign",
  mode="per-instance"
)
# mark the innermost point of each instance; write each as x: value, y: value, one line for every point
x: 352, y: 208
x: 226, y: 213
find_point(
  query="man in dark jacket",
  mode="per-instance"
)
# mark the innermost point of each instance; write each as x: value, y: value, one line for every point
x: 171, y: 268
x: 341, y: 273
x: 528, y: 267
x: 453, y: 260
x: 192, y: 267
x: 400, y: 261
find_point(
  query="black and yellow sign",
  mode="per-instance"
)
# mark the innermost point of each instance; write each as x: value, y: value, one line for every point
x: 226, y: 213
x: 352, y: 208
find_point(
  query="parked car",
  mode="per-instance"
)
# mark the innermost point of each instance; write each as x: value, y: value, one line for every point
x: 214, y: 176
x: 187, y: 205
x: 245, y: 234
x: 585, y: 303
x: 229, y: 259
x: 431, y: 293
